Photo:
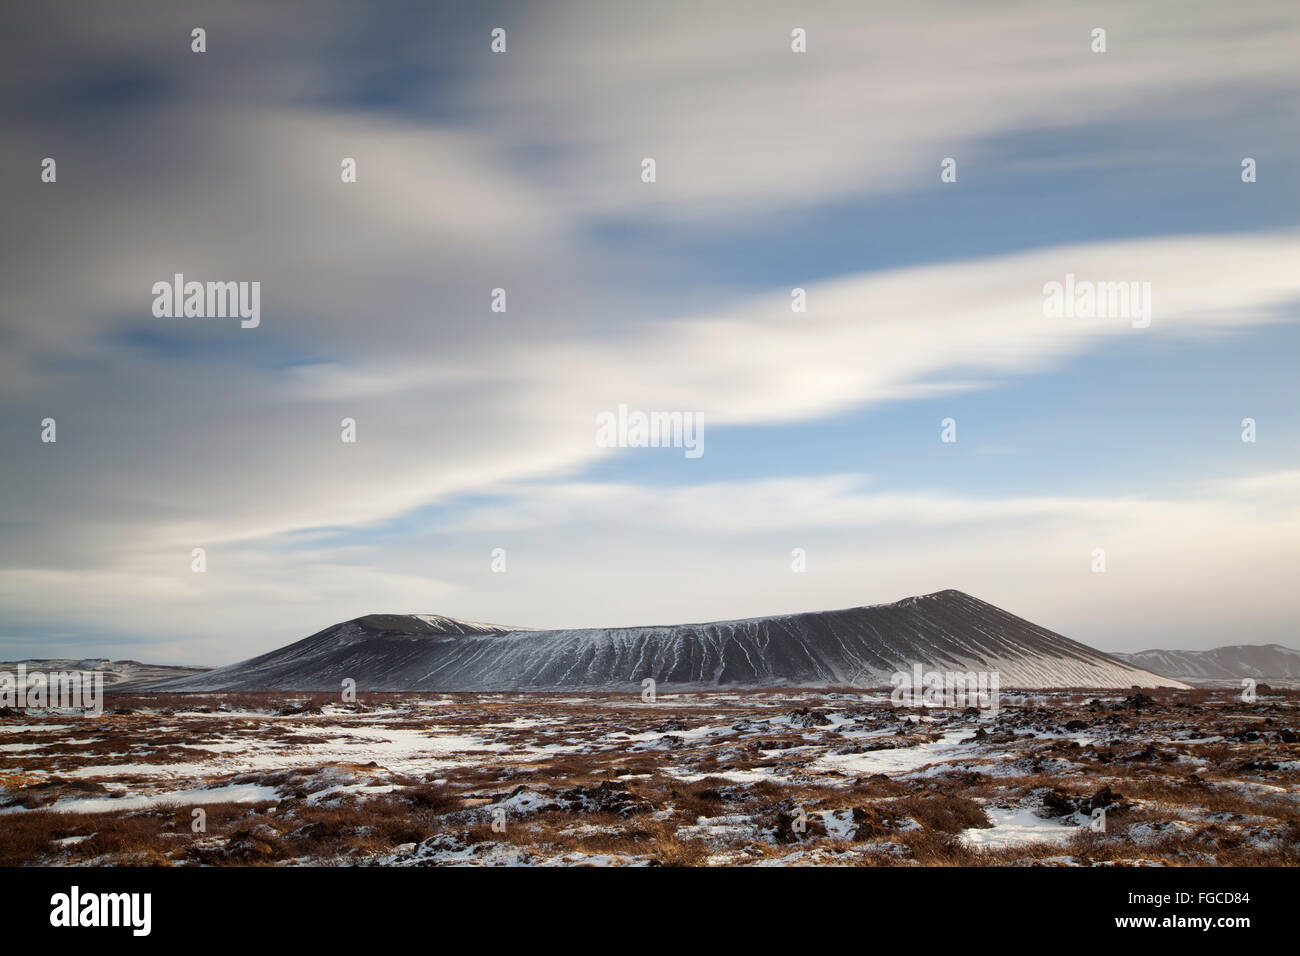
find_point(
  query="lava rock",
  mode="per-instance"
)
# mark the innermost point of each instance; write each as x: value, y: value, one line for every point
x: 808, y: 718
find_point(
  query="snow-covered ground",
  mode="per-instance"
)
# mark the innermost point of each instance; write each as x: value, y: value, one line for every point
x: 1015, y: 826
x: 691, y: 777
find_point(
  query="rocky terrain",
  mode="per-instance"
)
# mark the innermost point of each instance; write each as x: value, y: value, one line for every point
x: 1158, y: 777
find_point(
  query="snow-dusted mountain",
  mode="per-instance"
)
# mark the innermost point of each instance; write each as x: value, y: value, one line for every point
x: 1270, y: 663
x: 118, y: 675
x: 861, y: 646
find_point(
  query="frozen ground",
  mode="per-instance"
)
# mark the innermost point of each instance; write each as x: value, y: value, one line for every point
x: 796, y: 778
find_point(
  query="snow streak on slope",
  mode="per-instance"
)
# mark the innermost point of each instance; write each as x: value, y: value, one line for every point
x: 862, y: 646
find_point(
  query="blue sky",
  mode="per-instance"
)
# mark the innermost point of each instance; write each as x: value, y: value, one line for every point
x: 521, y: 170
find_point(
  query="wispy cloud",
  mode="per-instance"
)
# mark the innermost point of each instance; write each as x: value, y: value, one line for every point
x: 521, y: 172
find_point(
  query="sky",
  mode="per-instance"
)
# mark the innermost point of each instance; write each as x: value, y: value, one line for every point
x: 476, y: 487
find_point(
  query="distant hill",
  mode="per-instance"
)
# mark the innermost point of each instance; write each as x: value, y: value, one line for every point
x: 118, y: 675
x: 1270, y: 663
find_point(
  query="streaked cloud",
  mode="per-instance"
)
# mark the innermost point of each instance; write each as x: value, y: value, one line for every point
x: 477, y: 172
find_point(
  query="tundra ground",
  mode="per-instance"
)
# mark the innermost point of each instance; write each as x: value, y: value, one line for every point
x: 1185, y: 778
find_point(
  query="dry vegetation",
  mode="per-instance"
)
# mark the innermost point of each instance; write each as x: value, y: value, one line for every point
x: 1184, y: 778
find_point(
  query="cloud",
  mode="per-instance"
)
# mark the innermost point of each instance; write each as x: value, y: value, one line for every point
x: 1208, y: 562
x: 247, y: 452
x: 1198, y: 565
x: 740, y: 125
x: 479, y: 172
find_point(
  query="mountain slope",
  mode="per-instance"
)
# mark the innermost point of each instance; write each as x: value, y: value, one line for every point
x: 862, y: 646
x: 1263, y: 662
